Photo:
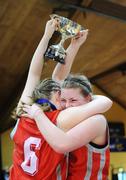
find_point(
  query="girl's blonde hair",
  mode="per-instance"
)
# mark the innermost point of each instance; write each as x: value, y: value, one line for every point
x: 42, y: 91
x: 78, y: 81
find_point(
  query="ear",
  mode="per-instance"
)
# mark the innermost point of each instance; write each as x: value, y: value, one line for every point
x: 88, y: 98
x: 58, y: 93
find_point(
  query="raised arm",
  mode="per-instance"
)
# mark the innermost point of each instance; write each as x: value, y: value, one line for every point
x: 36, y: 65
x: 78, y: 136
x: 61, y: 71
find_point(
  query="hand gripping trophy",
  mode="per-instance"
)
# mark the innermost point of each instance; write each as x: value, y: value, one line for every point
x: 68, y: 29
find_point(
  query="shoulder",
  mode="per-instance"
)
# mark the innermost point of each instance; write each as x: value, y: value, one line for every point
x: 100, y: 119
x: 96, y: 124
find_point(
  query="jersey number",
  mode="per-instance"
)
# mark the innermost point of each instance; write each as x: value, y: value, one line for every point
x: 30, y: 163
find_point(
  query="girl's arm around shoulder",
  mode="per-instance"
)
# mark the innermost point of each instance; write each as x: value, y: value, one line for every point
x: 70, y: 117
x: 75, y: 138
x: 61, y: 141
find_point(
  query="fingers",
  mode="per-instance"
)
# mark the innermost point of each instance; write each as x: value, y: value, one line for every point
x: 26, y: 108
x: 31, y: 111
x: 54, y: 23
x: 81, y: 34
x: 84, y: 32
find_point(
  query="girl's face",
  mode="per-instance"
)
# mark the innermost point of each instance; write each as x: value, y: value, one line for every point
x: 71, y: 97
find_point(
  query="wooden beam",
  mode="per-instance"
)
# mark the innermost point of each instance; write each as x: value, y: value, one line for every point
x: 105, y: 7
x: 109, y: 8
x: 108, y: 94
x: 62, y: 9
x: 120, y: 67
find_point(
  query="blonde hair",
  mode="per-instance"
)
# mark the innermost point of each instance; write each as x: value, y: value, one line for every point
x: 78, y: 81
x: 42, y: 91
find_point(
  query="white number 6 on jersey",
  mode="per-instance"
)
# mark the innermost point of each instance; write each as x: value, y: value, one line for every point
x: 30, y: 163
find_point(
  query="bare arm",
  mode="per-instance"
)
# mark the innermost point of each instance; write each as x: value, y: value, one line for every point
x: 78, y: 136
x: 61, y: 71
x: 36, y: 65
x: 99, y: 104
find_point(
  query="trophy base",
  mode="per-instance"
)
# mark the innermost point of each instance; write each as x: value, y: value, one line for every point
x: 51, y: 53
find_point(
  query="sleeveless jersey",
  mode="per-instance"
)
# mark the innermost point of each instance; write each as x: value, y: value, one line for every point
x: 89, y: 163
x: 33, y: 158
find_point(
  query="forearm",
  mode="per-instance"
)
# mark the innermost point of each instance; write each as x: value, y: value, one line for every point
x: 61, y: 71
x: 78, y: 136
x: 36, y: 65
x: 56, y: 138
x: 66, y: 141
x: 75, y: 115
x: 35, y: 71
x: 38, y: 57
x: 103, y: 103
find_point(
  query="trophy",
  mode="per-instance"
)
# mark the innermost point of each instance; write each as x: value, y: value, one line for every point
x: 67, y: 29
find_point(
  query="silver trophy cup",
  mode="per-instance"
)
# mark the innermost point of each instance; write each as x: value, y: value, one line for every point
x: 68, y: 29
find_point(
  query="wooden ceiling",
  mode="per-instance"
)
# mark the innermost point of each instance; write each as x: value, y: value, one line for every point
x: 102, y: 58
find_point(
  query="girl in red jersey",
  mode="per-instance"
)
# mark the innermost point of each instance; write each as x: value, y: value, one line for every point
x: 33, y: 158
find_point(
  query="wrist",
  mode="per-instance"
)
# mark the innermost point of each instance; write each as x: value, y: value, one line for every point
x: 75, y: 46
x: 47, y: 36
x: 74, y: 49
x: 37, y: 114
x: 45, y: 40
x: 35, y: 111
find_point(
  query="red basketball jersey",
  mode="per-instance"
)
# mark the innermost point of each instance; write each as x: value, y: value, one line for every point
x: 33, y: 158
x: 89, y: 163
